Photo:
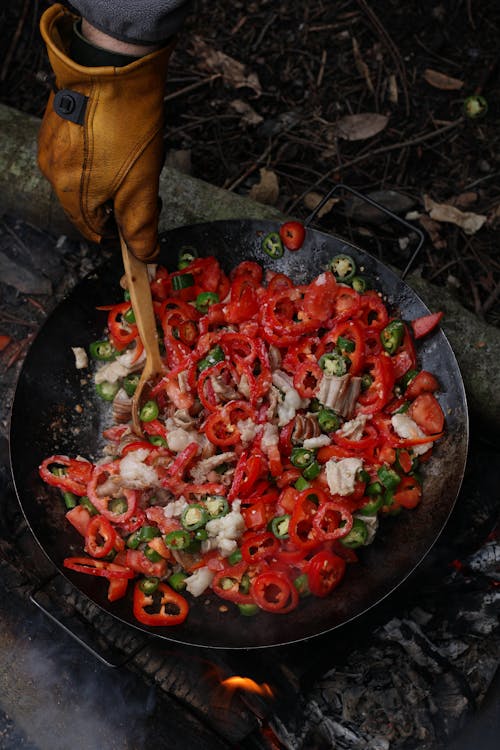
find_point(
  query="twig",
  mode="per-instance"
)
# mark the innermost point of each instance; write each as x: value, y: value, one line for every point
x: 192, y: 87
x: 256, y: 164
x: 321, y: 73
x: 15, y: 41
x: 393, y: 50
x: 382, y: 150
x: 8, y: 318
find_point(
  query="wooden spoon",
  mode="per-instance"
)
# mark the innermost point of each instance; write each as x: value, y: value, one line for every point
x: 136, y: 272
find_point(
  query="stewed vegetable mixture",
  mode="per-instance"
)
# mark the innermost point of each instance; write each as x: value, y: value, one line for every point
x: 290, y: 419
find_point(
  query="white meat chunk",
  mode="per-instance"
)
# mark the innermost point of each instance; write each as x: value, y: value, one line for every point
x: 137, y: 475
x: 405, y: 427
x: 199, y: 581
x: 291, y: 401
x: 200, y: 471
x: 81, y: 358
x: 354, y: 428
x: 341, y: 475
x: 316, y: 442
x: 224, y: 532
x: 119, y: 367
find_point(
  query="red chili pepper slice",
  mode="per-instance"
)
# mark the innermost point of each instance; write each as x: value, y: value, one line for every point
x: 307, y: 379
x: 325, y: 571
x: 100, y: 474
x: 273, y: 591
x: 408, y: 493
x: 259, y: 546
x: 76, y: 477
x: 427, y: 413
x: 163, y: 607
x: 100, y: 537
x: 230, y: 585
x: 332, y: 521
x: 101, y: 568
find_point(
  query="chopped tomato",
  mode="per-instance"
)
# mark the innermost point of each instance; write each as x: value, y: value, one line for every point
x: 424, y: 325
x: 292, y: 235
x: 422, y: 383
x: 427, y: 413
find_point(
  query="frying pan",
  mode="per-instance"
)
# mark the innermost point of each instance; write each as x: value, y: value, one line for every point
x: 55, y: 410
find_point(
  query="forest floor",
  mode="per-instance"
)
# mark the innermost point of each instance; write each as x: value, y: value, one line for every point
x: 282, y: 100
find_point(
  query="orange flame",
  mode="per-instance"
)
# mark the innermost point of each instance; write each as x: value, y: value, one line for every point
x: 245, y: 683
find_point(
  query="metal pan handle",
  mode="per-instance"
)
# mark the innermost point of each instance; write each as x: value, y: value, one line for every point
x: 78, y: 630
x: 380, y: 207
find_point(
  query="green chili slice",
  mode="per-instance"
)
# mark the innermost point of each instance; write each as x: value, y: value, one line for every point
x: 130, y: 383
x: 360, y: 284
x: 148, y: 585
x: 235, y: 557
x: 343, y: 268
x: 102, y: 350
x: 177, y: 580
x: 70, y: 500
x: 182, y: 281
x: 357, y: 536
x: 186, y: 257
x: 216, y: 506
x: 366, y: 381
x: 301, y: 583
x: 204, y: 300
x: 301, y: 457
x: 272, y: 245
x: 301, y: 484
x: 392, y: 336
x: 118, y: 505
x: 214, y: 355
x: 158, y: 441
x: 248, y: 610
x: 149, y: 411
x: 333, y: 363
x: 152, y: 554
x: 106, y: 390
x: 311, y: 471
x: 388, y: 477
x: 129, y: 315
x: 179, y: 539
x: 279, y: 526
x: 372, y: 506
x: 328, y: 420
x: 194, y: 517
x: 88, y: 505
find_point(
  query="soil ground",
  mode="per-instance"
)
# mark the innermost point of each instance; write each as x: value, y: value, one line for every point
x: 281, y: 127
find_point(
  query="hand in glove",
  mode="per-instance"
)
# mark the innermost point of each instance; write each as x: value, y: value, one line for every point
x: 101, y: 139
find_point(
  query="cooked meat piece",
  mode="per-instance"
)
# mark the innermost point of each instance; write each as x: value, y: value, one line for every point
x: 305, y: 426
x: 340, y: 393
x: 200, y: 471
x: 122, y: 407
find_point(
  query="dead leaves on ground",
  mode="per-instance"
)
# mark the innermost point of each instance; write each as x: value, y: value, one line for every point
x: 361, y: 126
x: 232, y: 71
x: 267, y: 190
x: 442, y: 81
x: 469, y: 221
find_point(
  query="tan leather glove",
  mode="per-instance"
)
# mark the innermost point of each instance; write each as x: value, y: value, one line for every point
x: 101, y: 140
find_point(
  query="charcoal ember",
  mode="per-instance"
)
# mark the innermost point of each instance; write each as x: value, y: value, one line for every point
x: 486, y: 560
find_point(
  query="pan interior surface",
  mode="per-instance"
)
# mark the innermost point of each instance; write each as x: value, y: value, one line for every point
x: 56, y: 410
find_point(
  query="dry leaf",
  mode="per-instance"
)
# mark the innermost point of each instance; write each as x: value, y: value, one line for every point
x: 442, y: 81
x: 311, y: 200
x: 248, y: 115
x: 359, y: 127
x: 433, y: 230
x: 466, y: 220
x: 232, y: 71
x: 267, y: 189
x: 361, y: 66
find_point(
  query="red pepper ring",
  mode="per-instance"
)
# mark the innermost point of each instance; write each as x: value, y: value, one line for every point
x: 171, y: 607
x: 101, y: 568
x: 76, y: 478
x: 307, y: 379
x: 102, y: 502
x: 328, y: 519
x: 325, y: 571
x: 259, y: 546
x: 100, y: 537
x: 273, y: 592
x: 228, y: 581
x: 369, y: 439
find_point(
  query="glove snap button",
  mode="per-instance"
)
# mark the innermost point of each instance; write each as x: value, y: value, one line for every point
x: 70, y: 105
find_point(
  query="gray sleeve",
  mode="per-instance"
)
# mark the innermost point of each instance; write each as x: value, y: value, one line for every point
x: 134, y: 21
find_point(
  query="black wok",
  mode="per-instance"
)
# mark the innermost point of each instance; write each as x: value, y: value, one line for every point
x: 47, y: 419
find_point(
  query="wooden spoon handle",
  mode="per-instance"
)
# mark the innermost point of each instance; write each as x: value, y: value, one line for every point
x: 142, y: 305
